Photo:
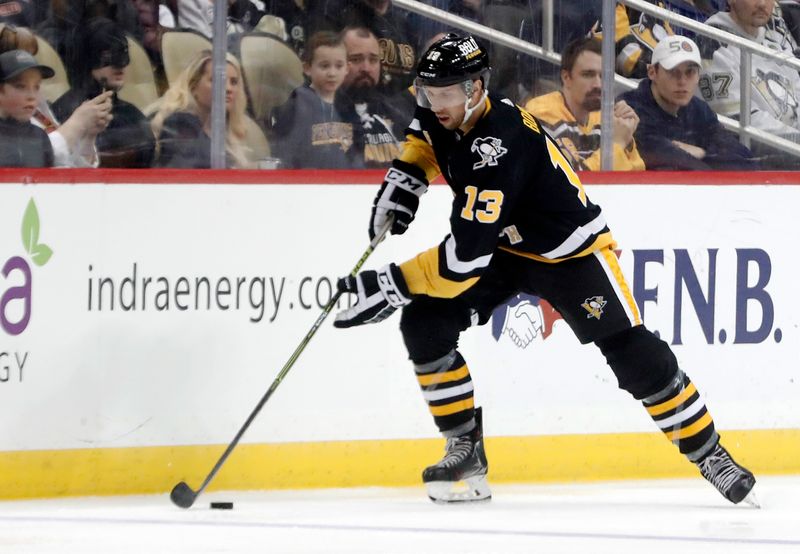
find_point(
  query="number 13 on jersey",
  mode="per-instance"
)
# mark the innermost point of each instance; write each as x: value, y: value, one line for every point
x: 490, y: 200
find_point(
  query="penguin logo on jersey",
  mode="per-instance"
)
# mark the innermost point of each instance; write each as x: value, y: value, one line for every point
x: 489, y: 149
x: 594, y: 306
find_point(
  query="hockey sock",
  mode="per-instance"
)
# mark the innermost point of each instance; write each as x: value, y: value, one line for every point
x: 447, y: 388
x: 682, y: 415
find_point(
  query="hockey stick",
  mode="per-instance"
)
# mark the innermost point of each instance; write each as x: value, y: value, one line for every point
x: 182, y: 494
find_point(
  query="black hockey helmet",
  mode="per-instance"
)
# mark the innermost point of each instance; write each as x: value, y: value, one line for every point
x: 453, y: 59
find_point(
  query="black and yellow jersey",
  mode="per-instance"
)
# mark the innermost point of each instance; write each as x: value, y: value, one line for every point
x: 580, y: 143
x: 513, y: 189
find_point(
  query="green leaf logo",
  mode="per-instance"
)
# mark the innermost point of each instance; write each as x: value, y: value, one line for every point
x: 40, y: 253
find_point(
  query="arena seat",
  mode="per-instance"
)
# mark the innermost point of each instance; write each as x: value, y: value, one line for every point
x: 52, y: 88
x: 140, y: 83
x: 272, y: 71
x: 273, y: 25
x: 178, y: 47
x: 256, y: 141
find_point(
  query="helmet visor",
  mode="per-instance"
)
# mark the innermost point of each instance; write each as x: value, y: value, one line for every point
x: 435, y: 98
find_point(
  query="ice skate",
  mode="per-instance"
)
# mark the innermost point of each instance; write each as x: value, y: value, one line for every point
x: 732, y: 480
x: 461, y: 475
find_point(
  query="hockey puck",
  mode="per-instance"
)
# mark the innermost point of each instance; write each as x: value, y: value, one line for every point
x: 222, y: 505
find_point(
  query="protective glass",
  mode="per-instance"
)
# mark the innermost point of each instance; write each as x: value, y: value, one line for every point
x: 442, y: 97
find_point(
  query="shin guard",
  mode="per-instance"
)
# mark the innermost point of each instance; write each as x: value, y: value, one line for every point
x: 683, y: 417
x: 447, y: 387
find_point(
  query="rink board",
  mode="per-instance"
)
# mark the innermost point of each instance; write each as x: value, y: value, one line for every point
x: 133, y: 353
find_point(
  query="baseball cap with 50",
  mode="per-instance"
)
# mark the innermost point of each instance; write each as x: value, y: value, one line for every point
x: 671, y: 51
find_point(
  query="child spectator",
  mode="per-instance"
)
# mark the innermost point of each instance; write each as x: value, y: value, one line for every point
x: 183, y: 121
x: 310, y: 131
x: 72, y: 141
x: 22, y: 144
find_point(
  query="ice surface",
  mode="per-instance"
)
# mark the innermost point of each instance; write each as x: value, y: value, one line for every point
x: 666, y: 516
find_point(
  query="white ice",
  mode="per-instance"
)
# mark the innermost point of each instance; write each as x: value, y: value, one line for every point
x: 667, y: 516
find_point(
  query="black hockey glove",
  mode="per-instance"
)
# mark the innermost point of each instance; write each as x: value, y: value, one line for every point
x: 379, y: 294
x: 399, y: 195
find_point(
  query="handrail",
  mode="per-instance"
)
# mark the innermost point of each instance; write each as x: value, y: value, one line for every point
x: 713, y: 32
x: 503, y: 39
x: 519, y: 45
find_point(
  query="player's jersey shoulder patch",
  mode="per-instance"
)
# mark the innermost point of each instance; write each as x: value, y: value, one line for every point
x: 489, y: 149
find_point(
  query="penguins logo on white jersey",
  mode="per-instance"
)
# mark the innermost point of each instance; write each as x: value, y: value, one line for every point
x: 489, y: 149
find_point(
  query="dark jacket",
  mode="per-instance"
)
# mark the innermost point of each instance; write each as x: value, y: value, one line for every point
x: 695, y: 124
x: 126, y: 142
x: 311, y: 133
x: 183, y: 143
x: 24, y: 145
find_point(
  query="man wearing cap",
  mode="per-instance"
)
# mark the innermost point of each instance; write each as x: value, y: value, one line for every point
x: 677, y: 130
x: 22, y: 144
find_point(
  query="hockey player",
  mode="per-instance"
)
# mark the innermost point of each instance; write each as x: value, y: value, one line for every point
x: 521, y: 222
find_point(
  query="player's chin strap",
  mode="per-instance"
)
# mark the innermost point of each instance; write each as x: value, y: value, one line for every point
x: 469, y: 111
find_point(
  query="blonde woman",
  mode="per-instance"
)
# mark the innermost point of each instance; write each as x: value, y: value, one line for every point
x: 183, y: 121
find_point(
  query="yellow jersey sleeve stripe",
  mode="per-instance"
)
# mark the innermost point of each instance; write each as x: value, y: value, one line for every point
x: 422, y: 276
x: 673, y: 403
x: 455, y: 407
x: 443, y: 377
x: 692, y: 429
x: 419, y: 153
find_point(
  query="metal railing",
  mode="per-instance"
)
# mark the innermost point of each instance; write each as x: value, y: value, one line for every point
x: 748, y: 48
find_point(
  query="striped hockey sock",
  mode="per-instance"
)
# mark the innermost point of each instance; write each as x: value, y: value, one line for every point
x: 447, y: 388
x: 682, y: 415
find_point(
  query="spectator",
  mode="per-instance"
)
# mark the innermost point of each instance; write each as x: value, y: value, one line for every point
x: 395, y: 36
x: 678, y: 130
x: 310, y: 131
x: 22, y: 144
x: 775, y: 89
x: 572, y: 115
x: 649, y: 30
x: 18, y: 12
x: 72, y: 141
x: 199, y: 15
x: 573, y: 20
x: 65, y: 29
x: 183, y: 121
x: 376, y: 122
x: 295, y: 16
x: 127, y: 141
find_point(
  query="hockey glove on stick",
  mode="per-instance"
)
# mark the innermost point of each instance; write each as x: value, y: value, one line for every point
x: 379, y: 294
x: 399, y: 196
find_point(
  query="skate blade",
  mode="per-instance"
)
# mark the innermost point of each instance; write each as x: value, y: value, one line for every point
x: 471, y: 489
x: 751, y: 500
